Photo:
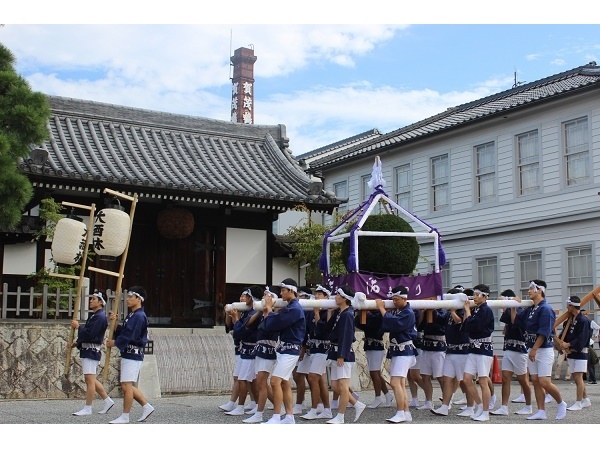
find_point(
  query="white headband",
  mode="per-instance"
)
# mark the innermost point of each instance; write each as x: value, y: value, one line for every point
x: 247, y: 292
x: 324, y: 290
x: 99, y: 295
x: 395, y: 294
x: 477, y: 291
x: 289, y: 286
x: 135, y: 293
x: 569, y: 302
x: 536, y: 287
x: 343, y: 294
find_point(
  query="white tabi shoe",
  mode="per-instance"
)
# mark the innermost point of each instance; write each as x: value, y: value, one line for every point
x: 461, y: 401
x: 483, y: 417
x: 540, y: 415
x: 275, y: 420
x: 492, y: 402
x: 288, y: 419
x: 408, y: 416
x: 468, y: 412
x: 229, y: 406
x: 359, y: 407
x: 586, y: 403
x: 320, y: 408
x: 298, y: 408
x: 310, y: 415
x: 519, y: 399
x: 252, y: 411
x: 238, y: 411
x: 256, y: 418
x: 86, y: 411
x: 562, y: 410
x: 377, y: 402
x: 575, y: 407
x: 525, y: 410
x: 326, y: 414
x: 121, y: 419
x: 147, y: 409
x: 106, y: 405
x: 426, y: 405
x: 398, y: 417
x: 502, y: 411
x: 337, y: 419
x: 250, y: 406
x: 441, y: 411
x: 389, y: 399
x: 414, y: 403
x: 548, y: 398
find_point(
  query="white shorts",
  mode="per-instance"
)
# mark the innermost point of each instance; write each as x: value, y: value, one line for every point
x: 247, y: 370
x: 374, y: 359
x: 454, y: 365
x: 399, y: 365
x: 338, y: 372
x: 263, y: 365
x: 479, y: 365
x: 285, y: 366
x: 304, y: 365
x: 236, y: 367
x: 89, y: 366
x: 577, y: 365
x: 542, y: 366
x: 318, y: 363
x: 432, y: 363
x: 417, y: 365
x: 515, y: 362
x: 130, y: 370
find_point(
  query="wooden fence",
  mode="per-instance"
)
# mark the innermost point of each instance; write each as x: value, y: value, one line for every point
x: 29, y: 304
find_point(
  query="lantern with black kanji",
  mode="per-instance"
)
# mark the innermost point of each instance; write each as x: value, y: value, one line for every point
x: 69, y: 239
x: 111, y: 232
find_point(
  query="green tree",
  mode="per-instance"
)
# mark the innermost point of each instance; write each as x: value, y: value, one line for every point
x: 23, y: 118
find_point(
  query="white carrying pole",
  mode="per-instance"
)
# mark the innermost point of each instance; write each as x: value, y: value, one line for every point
x: 450, y: 301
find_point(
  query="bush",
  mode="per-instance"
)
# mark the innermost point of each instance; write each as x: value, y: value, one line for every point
x: 392, y: 255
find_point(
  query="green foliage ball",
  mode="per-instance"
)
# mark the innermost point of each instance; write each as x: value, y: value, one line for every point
x: 393, y: 255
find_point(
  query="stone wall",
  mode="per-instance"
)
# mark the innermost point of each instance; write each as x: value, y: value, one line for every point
x: 32, y: 362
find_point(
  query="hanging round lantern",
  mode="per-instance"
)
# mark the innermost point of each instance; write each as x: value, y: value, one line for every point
x: 69, y: 239
x: 111, y: 232
x: 175, y: 223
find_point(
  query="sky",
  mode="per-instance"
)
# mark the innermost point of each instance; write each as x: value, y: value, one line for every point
x: 324, y: 81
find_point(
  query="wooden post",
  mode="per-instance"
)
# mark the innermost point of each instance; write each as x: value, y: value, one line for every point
x: 80, y: 282
x: 120, y: 275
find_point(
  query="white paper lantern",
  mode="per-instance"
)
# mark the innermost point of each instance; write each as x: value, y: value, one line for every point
x: 111, y: 232
x: 69, y: 239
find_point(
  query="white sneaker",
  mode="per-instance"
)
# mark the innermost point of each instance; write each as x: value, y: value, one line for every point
x: 250, y: 406
x: 359, y: 407
x: 426, y: 405
x: 336, y: 419
x: 288, y: 420
x: 540, y: 415
x: 414, y: 403
x: 527, y: 409
x: 256, y: 418
x: 483, y: 417
x: 478, y: 411
x: 562, y: 410
x: 399, y: 417
x: 468, y: 412
x: 106, y: 405
x: 492, y: 402
x: 238, y: 411
x: 320, y: 408
x: 147, y: 409
x: 586, y: 403
x: 252, y: 411
x: 389, y: 399
x: 310, y: 415
x: 86, y: 411
x: 297, y: 409
x: 441, y: 411
x: 275, y: 420
x: 326, y: 414
x: 548, y: 398
x: 575, y: 407
x: 519, y: 399
x: 121, y: 419
x: 377, y: 402
x: 408, y: 416
x: 229, y: 406
x: 461, y: 401
x: 502, y: 411
x: 335, y: 404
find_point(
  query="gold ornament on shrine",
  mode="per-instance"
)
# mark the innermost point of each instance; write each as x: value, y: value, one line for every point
x: 68, y: 241
x: 111, y: 232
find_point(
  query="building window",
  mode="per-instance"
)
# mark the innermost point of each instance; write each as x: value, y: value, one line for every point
x: 580, y: 269
x: 485, y: 157
x: 528, y: 157
x: 341, y: 191
x: 440, y: 177
x: 403, y: 182
x: 577, y: 151
x: 446, y: 276
x: 487, y: 273
x: 365, y: 189
x: 530, y: 266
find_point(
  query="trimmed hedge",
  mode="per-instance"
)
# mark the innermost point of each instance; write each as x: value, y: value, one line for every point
x: 392, y: 255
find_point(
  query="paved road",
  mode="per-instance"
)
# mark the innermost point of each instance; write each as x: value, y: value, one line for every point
x: 203, y: 409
